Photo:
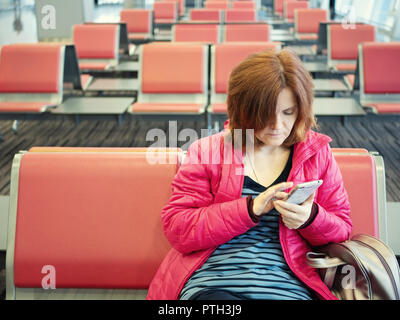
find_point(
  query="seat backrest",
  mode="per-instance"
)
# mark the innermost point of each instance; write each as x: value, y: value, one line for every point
x: 86, y: 39
x: 173, y: 70
x: 278, y: 7
x: 212, y: 15
x: 240, y: 15
x: 88, y: 214
x: 226, y: 56
x: 247, y: 32
x: 381, y: 68
x: 205, y: 33
x: 363, y: 180
x: 308, y: 20
x: 343, y: 42
x: 165, y: 10
x: 138, y: 20
x: 180, y: 5
x: 32, y: 72
x: 291, y: 5
x: 244, y: 5
x: 222, y: 5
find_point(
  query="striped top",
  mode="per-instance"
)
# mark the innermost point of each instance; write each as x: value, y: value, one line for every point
x: 251, y: 264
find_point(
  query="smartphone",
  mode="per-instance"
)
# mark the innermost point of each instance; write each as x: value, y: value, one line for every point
x: 302, y: 191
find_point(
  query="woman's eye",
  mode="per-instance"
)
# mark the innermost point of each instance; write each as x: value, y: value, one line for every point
x: 288, y: 112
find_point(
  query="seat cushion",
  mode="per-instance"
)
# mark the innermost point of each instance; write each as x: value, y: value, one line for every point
x: 308, y: 36
x: 219, y: 108
x: 386, y: 107
x: 167, y: 107
x: 34, y: 107
x: 346, y: 67
x: 93, y: 66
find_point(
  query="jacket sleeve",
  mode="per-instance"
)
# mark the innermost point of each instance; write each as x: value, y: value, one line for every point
x: 332, y: 222
x: 191, y: 220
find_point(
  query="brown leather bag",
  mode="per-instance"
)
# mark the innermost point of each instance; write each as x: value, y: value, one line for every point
x: 363, y: 268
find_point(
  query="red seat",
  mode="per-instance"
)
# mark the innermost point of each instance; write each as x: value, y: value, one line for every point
x: 165, y: 12
x: 95, y: 54
x: 244, y: 5
x: 278, y: 7
x: 102, y: 149
x: 343, y: 44
x: 222, y: 5
x: 104, y: 219
x: 306, y: 21
x: 240, y: 15
x: 31, y: 77
x: 380, y: 87
x: 22, y: 68
x: 290, y: 6
x: 173, y: 78
x: 29, y: 107
x: 247, y: 32
x: 206, y: 33
x: 359, y: 176
x: 139, y: 23
x: 209, y: 15
x: 88, y: 46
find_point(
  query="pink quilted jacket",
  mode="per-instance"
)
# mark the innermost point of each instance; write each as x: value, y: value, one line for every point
x: 206, y: 210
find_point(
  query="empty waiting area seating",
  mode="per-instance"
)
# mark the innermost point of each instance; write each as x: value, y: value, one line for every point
x: 165, y: 12
x: 244, y: 5
x: 379, y: 80
x: 289, y: 7
x: 139, y: 23
x: 205, y: 33
x: 94, y: 54
x: 343, y: 44
x: 246, y: 32
x: 105, y: 218
x: 307, y: 21
x: 31, y: 77
x: 208, y: 15
x: 173, y: 79
x: 240, y: 15
x: 221, y: 5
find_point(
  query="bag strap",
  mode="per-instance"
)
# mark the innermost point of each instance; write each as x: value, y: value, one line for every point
x: 321, y: 260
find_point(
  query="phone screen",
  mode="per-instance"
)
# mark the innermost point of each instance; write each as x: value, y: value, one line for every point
x: 302, y: 191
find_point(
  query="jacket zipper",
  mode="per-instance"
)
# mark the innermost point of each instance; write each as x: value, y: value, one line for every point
x: 283, y: 243
x: 386, y: 266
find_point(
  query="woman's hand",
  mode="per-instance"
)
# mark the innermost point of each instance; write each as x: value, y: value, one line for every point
x: 263, y: 203
x: 294, y: 215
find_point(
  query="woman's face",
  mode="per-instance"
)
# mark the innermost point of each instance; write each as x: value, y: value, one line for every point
x: 286, y: 114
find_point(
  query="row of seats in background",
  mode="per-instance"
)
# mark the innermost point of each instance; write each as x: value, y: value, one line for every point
x: 98, y: 234
x: 173, y: 77
x: 150, y: 24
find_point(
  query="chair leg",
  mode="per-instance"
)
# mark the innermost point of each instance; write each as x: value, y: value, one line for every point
x: 15, y: 126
